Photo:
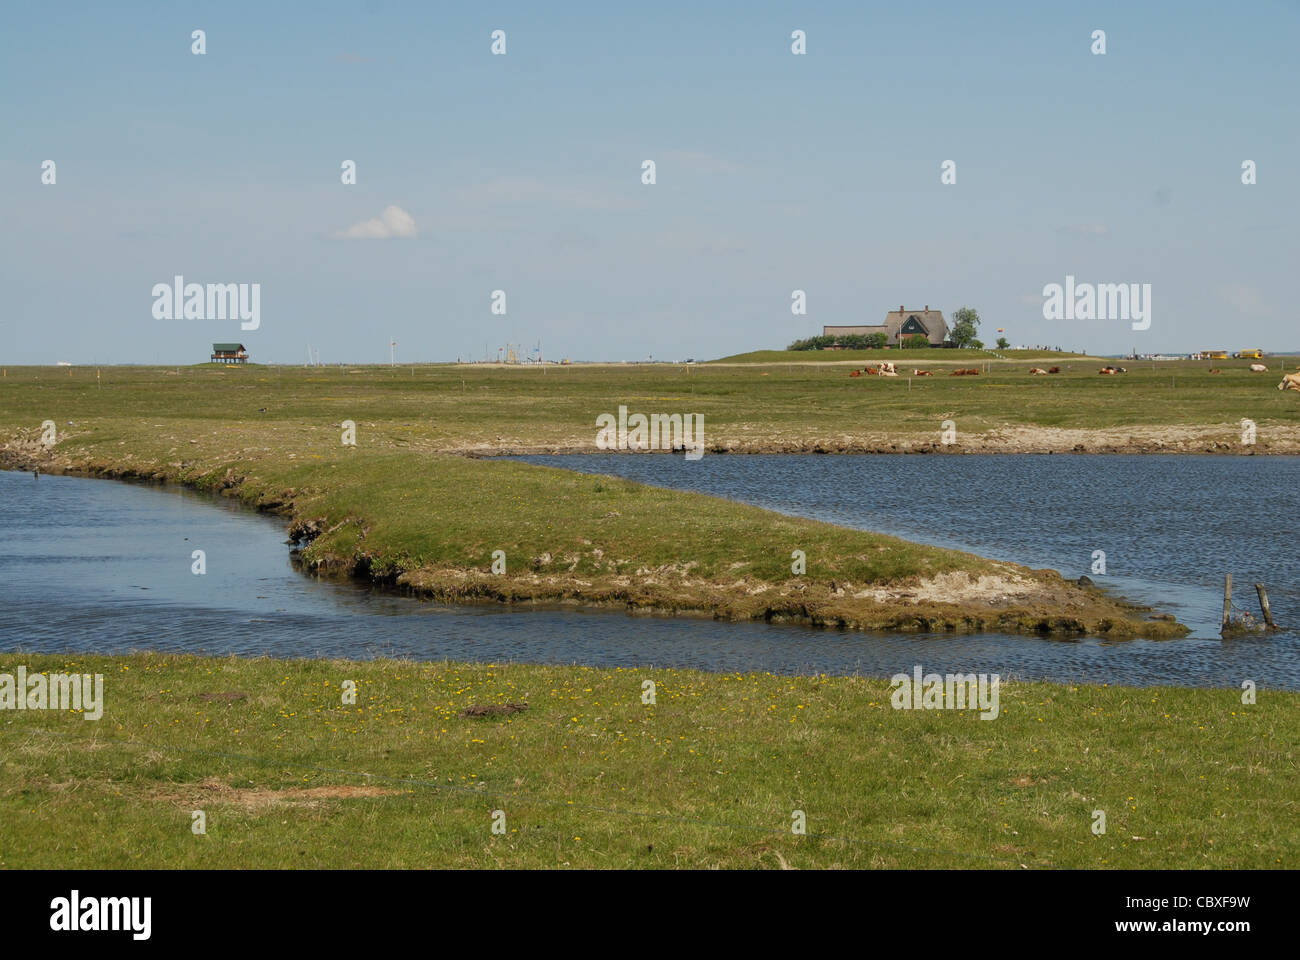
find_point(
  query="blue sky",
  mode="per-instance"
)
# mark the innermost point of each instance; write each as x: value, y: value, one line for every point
x: 523, y: 173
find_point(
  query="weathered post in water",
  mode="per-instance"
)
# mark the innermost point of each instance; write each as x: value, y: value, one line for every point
x: 1263, y: 606
x: 1227, y: 600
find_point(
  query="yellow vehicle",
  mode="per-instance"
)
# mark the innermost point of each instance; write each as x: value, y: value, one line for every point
x: 1212, y: 355
x: 1251, y: 355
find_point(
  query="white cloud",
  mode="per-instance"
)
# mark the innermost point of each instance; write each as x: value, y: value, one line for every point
x: 393, y: 222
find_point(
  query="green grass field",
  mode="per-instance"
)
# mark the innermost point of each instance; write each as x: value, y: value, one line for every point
x: 747, y: 407
x: 590, y: 776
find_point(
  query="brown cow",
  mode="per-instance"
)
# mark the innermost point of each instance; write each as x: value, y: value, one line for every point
x: 922, y: 373
x: 1054, y: 370
x: 855, y: 373
x: 965, y: 373
x: 1214, y: 370
x: 1037, y: 372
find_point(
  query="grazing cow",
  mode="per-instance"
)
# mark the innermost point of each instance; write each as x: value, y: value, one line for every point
x: 1258, y: 368
x: 1290, y: 381
x: 922, y: 373
x: 1054, y: 370
x: 1037, y: 372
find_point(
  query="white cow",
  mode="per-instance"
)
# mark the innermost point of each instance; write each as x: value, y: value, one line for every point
x: 1258, y: 368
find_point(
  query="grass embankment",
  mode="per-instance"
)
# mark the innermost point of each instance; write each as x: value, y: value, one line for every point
x: 589, y: 776
x: 918, y: 358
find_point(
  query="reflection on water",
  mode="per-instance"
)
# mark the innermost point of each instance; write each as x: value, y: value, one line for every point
x: 93, y: 565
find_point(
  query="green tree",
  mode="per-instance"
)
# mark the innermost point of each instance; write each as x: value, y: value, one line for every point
x: 965, y: 326
x: 1003, y: 343
x: 812, y: 343
x: 916, y: 341
x: 876, y: 341
x: 853, y: 341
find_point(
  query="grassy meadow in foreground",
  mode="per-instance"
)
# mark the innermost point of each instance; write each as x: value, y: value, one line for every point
x: 590, y: 776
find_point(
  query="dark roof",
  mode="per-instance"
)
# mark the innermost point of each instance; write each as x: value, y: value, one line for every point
x: 932, y: 320
x: 227, y: 347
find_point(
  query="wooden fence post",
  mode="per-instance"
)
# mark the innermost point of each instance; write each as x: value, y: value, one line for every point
x: 1263, y: 605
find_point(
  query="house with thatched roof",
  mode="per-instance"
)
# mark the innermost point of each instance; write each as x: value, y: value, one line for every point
x: 899, y: 325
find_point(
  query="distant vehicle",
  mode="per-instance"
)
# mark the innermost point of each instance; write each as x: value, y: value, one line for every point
x: 1213, y: 355
x: 1250, y: 355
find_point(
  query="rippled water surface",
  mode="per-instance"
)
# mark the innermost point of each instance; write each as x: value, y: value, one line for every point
x: 94, y: 565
